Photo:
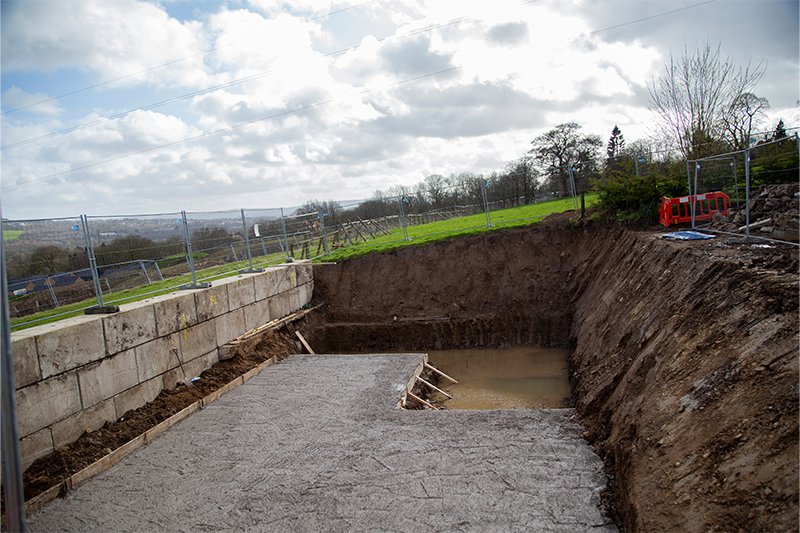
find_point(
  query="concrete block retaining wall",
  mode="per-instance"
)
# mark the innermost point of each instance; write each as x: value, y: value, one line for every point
x: 77, y: 374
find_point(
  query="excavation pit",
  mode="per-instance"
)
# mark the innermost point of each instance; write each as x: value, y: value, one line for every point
x: 517, y: 377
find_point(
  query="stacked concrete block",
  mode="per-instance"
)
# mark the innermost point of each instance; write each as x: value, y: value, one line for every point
x: 75, y: 375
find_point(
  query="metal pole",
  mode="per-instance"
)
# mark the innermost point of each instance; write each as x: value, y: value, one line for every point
x: 144, y: 269
x: 747, y: 192
x: 160, y: 277
x: 249, y: 270
x: 12, y: 467
x: 92, y: 261
x: 735, y: 181
x: 289, y: 258
x: 403, y: 218
x: 486, y: 203
x: 190, y: 256
x: 573, y: 188
x: 52, y: 291
x: 324, y: 232
x: 694, y: 196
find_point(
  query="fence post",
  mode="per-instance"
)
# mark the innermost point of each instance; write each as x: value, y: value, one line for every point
x: 190, y: 256
x: 158, y: 269
x: 289, y: 258
x: 100, y: 308
x: 12, y: 467
x: 52, y: 291
x: 324, y: 232
x: 144, y: 269
x: 694, y: 195
x: 400, y: 200
x: 249, y: 270
x: 486, y: 203
x: 747, y: 192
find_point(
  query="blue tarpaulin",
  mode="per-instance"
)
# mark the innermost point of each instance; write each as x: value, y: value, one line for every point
x: 687, y: 236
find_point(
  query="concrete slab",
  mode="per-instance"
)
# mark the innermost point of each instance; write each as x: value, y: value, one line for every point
x: 35, y: 446
x: 70, y: 346
x: 26, y: 361
x: 198, y: 340
x: 102, y: 380
x: 241, y: 292
x: 126, y: 330
x: 317, y: 443
x: 46, y: 402
x: 174, y: 311
x: 211, y: 302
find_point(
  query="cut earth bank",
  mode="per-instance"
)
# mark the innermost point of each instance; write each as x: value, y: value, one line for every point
x: 685, y: 355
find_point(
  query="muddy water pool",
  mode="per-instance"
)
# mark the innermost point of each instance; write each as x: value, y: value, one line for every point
x: 519, y: 377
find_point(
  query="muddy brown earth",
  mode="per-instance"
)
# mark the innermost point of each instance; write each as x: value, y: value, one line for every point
x: 685, y: 354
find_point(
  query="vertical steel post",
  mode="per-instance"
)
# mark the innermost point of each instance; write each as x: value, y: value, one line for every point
x: 92, y: 261
x: 289, y: 258
x: 52, y: 291
x: 324, y: 232
x: 12, y: 465
x: 573, y: 188
x: 747, y: 192
x: 144, y: 269
x: 403, y: 218
x: 250, y: 269
x: 735, y: 181
x: 190, y: 256
x: 486, y: 203
x: 693, y: 197
x: 158, y: 269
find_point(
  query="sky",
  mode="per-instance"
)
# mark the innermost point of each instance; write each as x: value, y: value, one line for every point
x: 134, y: 107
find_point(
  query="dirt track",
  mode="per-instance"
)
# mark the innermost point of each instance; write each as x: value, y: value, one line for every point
x: 685, y: 362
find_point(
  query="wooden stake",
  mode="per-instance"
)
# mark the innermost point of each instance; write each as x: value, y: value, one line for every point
x: 303, y: 340
x: 423, y: 402
x: 434, y: 387
x: 440, y: 373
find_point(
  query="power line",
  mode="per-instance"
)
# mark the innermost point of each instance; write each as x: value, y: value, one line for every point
x: 308, y: 107
x: 156, y: 67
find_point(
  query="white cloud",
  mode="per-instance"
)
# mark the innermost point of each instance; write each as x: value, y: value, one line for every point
x: 16, y: 98
x: 107, y: 39
x: 316, y: 126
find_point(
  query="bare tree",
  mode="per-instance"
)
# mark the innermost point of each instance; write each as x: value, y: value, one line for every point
x: 562, y: 148
x: 695, y: 92
x: 742, y: 115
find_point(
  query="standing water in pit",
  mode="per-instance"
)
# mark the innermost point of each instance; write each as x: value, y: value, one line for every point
x: 520, y: 377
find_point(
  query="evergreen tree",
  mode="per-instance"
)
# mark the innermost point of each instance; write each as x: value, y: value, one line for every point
x: 615, y: 143
x: 780, y: 131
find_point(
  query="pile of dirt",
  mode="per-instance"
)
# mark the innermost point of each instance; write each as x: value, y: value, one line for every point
x: 684, y: 368
x: 774, y: 212
x: 91, y: 446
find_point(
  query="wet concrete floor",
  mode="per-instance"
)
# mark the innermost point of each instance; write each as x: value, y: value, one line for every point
x: 317, y: 443
x: 518, y: 377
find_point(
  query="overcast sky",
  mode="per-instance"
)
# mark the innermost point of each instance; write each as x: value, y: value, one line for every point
x: 332, y: 100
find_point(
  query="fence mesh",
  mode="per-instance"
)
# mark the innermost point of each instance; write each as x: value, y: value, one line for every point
x: 762, y: 183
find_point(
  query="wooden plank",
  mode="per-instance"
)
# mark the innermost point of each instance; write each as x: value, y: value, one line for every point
x: 160, y: 428
x: 303, y: 340
x: 434, y: 387
x: 257, y: 370
x: 39, y: 501
x: 214, y: 396
x: 423, y: 402
x: 106, y: 462
x: 440, y: 373
x: 364, y: 225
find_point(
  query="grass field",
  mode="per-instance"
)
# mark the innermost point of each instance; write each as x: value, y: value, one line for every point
x: 12, y: 234
x: 458, y: 227
x: 420, y: 234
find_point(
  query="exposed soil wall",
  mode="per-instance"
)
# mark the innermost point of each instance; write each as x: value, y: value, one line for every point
x: 685, y: 355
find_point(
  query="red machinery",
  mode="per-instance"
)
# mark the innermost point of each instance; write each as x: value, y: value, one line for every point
x: 677, y: 210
